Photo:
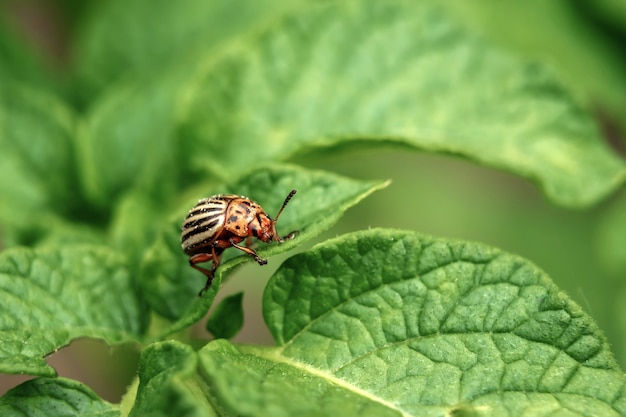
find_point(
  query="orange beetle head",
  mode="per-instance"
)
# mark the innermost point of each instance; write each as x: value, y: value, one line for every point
x: 266, y: 227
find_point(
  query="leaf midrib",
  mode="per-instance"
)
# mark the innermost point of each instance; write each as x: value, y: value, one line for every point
x: 330, y: 378
x: 327, y: 376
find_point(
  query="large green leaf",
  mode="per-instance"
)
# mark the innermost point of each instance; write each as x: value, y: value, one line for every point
x: 418, y: 326
x: 399, y: 71
x: 565, y: 34
x: 55, y: 397
x: 392, y: 323
x: 168, y: 282
x: 51, y: 296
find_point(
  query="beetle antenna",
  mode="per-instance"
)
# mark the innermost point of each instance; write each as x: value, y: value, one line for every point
x: 291, y: 194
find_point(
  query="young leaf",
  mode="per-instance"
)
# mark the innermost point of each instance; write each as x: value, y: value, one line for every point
x: 168, y: 383
x: 227, y: 319
x: 417, y: 78
x: 55, y: 397
x: 51, y: 296
x: 321, y: 200
x: 425, y: 327
x: 170, y: 284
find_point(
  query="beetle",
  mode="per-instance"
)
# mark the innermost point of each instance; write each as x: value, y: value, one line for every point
x: 223, y: 221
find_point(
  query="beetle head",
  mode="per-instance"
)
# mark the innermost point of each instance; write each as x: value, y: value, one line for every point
x: 266, y: 230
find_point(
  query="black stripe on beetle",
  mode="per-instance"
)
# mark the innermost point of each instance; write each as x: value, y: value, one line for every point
x: 199, y: 229
x: 200, y: 221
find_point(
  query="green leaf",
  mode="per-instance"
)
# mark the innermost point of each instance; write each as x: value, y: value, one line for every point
x: 252, y: 382
x: 424, y: 327
x: 568, y: 36
x: 416, y: 77
x: 130, y: 137
x: 134, y: 224
x: 51, y: 296
x: 227, y: 319
x: 128, y: 140
x: 168, y: 282
x: 168, y: 383
x: 55, y: 397
x: 106, y: 33
x: 392, y: 323
x: 321, y: 199
x: 37, y: 181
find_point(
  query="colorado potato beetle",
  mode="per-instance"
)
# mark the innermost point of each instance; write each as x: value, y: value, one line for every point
x: 221, y: 221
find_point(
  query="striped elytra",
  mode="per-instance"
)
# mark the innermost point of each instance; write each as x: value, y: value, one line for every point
x: 203, y: 223
x: 223, y: 221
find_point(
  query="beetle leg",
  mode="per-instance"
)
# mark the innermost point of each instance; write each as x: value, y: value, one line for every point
x: 249, y: 251
x: 210, y: 274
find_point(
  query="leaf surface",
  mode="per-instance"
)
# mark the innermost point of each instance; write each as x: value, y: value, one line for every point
x: 393, y: 323
x: 418, y: 326
x: 51, y: 296
x: 274, y: 387
x: 393, y: 72
x: 55, y: 397
x: 568, y: 36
